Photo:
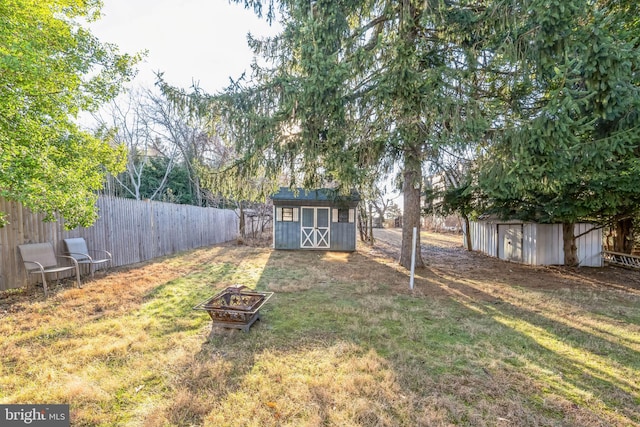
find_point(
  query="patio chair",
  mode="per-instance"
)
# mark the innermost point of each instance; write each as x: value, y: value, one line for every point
x: 77, y: 248
x: 40, y: 258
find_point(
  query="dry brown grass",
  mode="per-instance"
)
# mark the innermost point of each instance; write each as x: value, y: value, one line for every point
x: 343, y: 342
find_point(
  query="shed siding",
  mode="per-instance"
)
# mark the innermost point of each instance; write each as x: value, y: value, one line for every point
x: 315, y: 224
x: 549, y: 245
x: 589, y: 246
x: 542, y: 244
x: 529, y: 236
x: 484, y: 237
x: 286, y: 234
x: 343, y: 236
x: 510, y: 241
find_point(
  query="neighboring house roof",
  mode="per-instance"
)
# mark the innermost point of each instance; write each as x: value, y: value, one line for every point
x: 318, y: 195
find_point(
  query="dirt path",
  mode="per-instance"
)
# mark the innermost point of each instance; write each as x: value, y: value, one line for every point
x: 444, y: 254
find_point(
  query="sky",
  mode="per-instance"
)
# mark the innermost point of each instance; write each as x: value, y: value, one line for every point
x: 202, y: 41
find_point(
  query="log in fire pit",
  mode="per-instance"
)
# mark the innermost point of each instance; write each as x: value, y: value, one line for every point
x: 235, y: 307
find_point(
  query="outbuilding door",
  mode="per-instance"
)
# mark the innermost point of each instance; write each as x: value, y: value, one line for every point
x: 510, y: 241
x: 314, y: 230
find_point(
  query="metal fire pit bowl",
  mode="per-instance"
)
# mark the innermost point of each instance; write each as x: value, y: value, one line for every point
x: 235, y: 307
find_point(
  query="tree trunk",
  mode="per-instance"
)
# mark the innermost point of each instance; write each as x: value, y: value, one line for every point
x: 623, y: 241
x: 197, y: 197
x: 242, y: 222
x: 411, y: 197
x: 371, y: 240
x: 362, y: 227
x: 570, y: 248
x: 467, y: 231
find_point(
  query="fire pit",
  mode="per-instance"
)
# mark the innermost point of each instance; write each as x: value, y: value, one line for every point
x: 235, y: 307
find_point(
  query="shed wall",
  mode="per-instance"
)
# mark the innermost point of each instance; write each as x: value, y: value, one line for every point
x: 484, y: 237
x: 529, y: 238
x: 542, y: 244
x: 548, y: 245
x: 343, y: 236
x: 287, y: 234
x: 589, y: 246
x: 510, y: 241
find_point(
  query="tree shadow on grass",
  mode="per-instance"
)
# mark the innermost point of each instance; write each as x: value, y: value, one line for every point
x: 581, y: 371
x: 345, y: 342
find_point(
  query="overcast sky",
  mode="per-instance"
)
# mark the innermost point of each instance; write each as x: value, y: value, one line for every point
x: 189, y: 40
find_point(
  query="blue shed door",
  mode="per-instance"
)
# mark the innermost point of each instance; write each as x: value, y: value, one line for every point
x: 314, y: 230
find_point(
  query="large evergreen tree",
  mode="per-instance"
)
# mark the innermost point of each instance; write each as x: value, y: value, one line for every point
x: 546, y: 91
x: 354, y: 86
x: 569, y: 149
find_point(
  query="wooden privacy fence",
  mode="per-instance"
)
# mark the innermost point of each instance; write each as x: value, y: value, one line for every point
x: 131, y: 230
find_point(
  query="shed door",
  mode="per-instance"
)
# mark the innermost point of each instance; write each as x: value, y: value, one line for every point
x: 314, y: 230
x: 510, y: 237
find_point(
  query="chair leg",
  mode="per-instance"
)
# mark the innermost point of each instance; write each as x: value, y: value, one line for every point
x: 78, y: 276
x: 44, y: 285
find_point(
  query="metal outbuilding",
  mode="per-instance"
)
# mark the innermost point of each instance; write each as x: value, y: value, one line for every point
x: 320, y: 219
x: 534, y: 243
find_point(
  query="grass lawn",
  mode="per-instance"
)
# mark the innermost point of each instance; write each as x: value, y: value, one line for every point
x: 343, y: 342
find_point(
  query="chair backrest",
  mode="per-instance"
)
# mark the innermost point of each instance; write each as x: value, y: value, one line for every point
x: 76, y: 246
x: 38, y: 252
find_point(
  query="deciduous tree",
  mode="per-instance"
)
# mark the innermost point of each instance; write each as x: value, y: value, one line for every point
x: 51, y: 69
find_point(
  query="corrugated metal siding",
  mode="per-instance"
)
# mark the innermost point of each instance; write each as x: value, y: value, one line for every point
x: 529, y: 238
x: 551, y: 251
x: 501, y: 232
x: 549, y: 245
x: 483, y: 237
x: 542, y: 243
x: 589, y: 246
x: 510, y: 242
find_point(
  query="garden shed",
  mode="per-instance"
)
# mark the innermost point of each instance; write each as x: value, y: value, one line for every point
x: 533, y: 243
x: 320, y: 219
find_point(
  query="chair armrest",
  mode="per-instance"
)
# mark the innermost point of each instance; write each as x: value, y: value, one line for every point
x: 39, y: 266
x: 83, y: 255
x: 73, y: 260
x: 101, y: 251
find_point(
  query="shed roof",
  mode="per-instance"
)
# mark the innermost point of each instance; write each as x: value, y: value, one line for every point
x: 493, y: 218
x: 317, y: 195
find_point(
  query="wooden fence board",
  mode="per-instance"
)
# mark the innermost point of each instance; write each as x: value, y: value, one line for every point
x: 132, y: 230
